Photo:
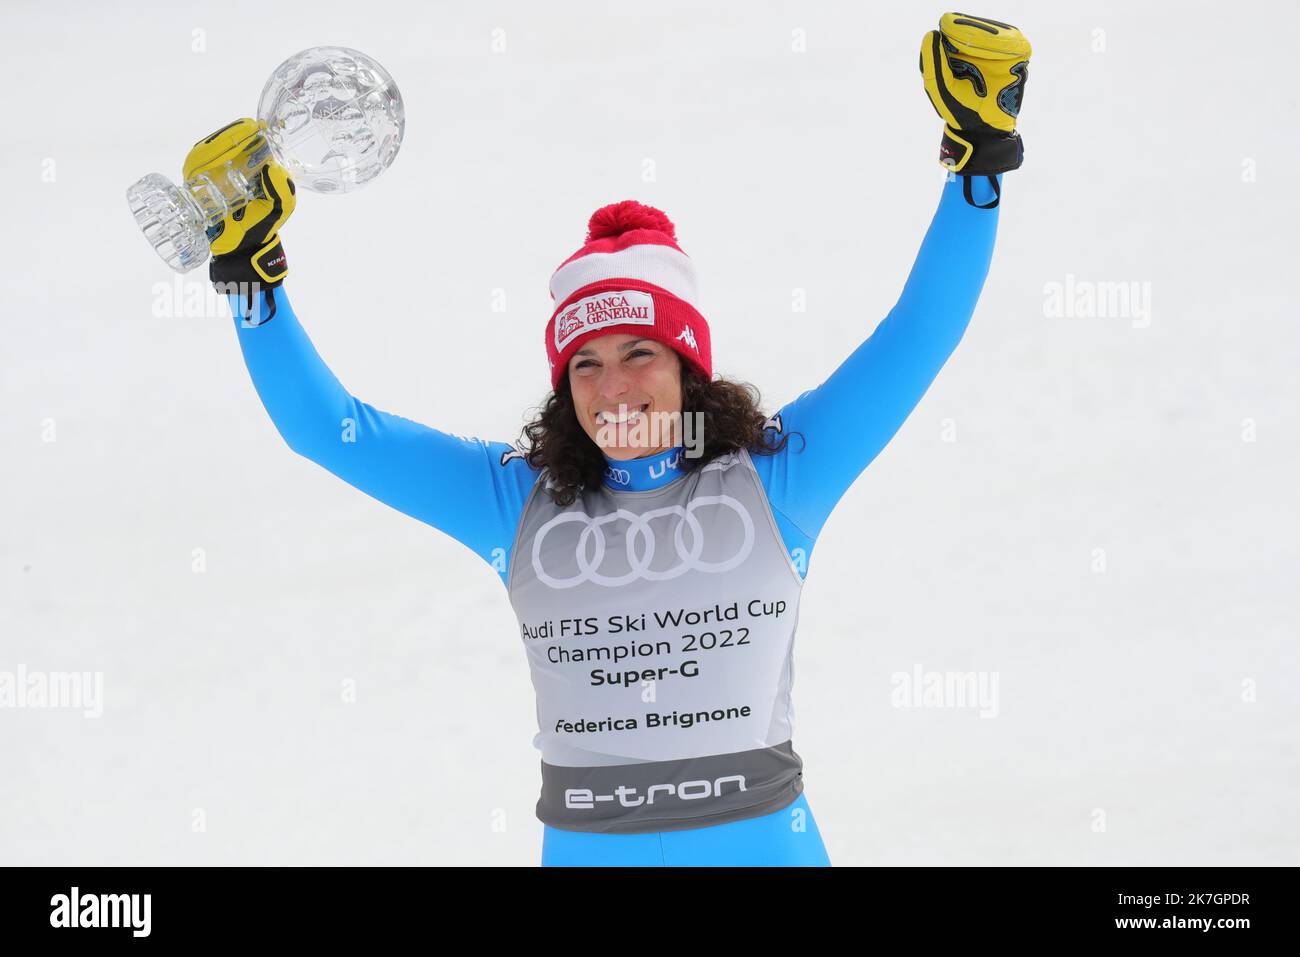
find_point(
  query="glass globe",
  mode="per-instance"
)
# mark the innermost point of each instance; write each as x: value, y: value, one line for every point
x: 334, y: 118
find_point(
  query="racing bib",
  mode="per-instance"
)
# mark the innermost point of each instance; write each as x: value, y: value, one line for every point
x: 659, y: 627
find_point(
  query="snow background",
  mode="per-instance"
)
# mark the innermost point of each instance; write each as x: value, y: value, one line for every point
x: 1120, y: 690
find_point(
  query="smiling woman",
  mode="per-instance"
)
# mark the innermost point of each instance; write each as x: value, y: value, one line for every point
x: 639, y: 532
x: 635, y: 530
x: 596, y: 528
x: 572, y: 436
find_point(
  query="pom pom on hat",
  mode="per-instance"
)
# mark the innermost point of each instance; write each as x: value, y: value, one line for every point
x: 619, y: 218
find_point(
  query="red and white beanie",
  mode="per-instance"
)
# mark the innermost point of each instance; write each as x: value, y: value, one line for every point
x: 629, y: 276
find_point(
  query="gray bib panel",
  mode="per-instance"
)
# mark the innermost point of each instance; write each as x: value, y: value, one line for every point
x: 659, y: 627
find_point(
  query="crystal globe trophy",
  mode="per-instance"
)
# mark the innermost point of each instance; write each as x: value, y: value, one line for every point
x: 331, y: 116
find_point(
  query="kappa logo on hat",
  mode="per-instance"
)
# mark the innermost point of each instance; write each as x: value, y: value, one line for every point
x: 627, y: 307
x: 688, y: 334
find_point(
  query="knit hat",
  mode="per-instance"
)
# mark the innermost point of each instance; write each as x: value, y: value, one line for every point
x: 630, y: 276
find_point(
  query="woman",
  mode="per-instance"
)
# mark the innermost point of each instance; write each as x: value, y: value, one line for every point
x: 654, y: 528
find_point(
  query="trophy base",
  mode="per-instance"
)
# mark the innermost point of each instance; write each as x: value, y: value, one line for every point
x: 170, y: 220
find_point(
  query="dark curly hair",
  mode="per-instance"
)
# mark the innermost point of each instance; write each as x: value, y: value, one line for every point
x: 556, y: 441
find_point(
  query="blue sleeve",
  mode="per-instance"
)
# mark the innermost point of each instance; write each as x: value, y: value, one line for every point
x: 470, y: 489
x: 850, y: 417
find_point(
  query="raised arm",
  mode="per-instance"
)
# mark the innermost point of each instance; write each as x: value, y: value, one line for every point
x: 974, y: 72
x: 469, y: 488
x: 849, y: 418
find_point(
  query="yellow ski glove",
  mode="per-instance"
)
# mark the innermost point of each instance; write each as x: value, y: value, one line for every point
x: 975, y: 71
x: 246, y: 245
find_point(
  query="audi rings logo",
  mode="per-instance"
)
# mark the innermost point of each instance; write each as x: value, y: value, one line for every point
x: 641, y: 542
x: 621, y: 476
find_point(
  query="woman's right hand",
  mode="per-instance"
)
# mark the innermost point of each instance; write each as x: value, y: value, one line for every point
x: 246, y: 245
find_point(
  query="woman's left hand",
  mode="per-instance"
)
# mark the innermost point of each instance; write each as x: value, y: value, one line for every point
x: 975, y: 71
